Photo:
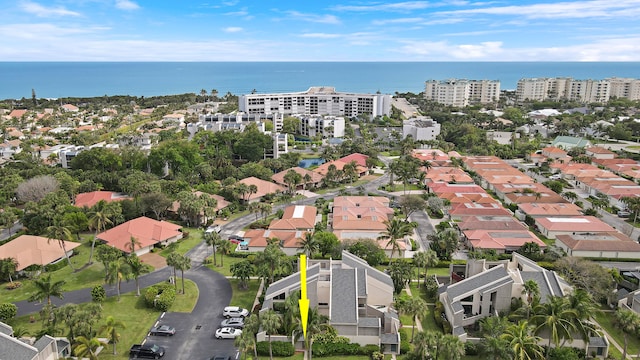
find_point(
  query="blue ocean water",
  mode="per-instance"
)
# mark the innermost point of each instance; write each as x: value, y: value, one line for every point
x: 88, y: 79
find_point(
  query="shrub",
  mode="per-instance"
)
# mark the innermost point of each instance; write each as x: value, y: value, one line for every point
x: 166, y: 299
x: 370, y: 350
x: 98, y: 294
x: 329, y: 349
x: 8, y: 311
x: 405, y: 346
x: 377, y: 355
x: 57, y: 266
x: 13, y: 285
x: 167, y: 295
x: 470, y: 348
x: 280, y: 348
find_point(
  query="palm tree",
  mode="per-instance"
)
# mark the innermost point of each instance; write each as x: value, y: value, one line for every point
x: 316, y: 324
x: 224, y: 248
x: 396, y: 230
x: 242, y: 270
x: 270, y: 323
x: 523, y: 344
x: 495, y: 348
x: 629, y: 323
x: 110, y: 328
x: 131, y: 245
x: 431, y: 259
x: 308, y: 244
x: 450, y: 348
x: 136, y: 269
x: 46, y: 288
x: 8, y: 267
x: 252, y: 326
x: 585, y: 307
x: 118, y: 271
x: 61, y: 234
x: 254, y: 208
x: 213, y: 239
x: 86, y: 348
x: 420, y: 260
x: 415, y: 307
x: 98, y: 221
x: 183, y: 263
x: 555, y: 317
x: 245, y: 343
x: 493, y: 326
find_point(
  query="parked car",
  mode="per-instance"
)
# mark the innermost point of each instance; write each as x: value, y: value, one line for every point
x: 234, y: 312
x: 228, y: 333
x: 220, y: 357
x: 149, y: 351
x: 236, y: 239
x: 165, y: 330
x: 214, y: 228
x: 624, y: 214
x: 237, y: 323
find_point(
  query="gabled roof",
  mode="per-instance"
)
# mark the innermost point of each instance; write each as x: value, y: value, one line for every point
x: 14, y: 349
x: 501, y: 239
x: 147, y: 231
x: 360, y: 159
x: 17, y: 113
x: 89, y: 199
x: 599, y: 242
x: 574, y: 224
x: 264, y: 187
x: 490, y: 223
x: 444, y: 187
x: 550, y: 209
x: 34, y: 250
x: 296, y: 217
x: 288, y: 238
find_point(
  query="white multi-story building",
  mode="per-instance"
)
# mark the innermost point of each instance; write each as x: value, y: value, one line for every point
x: 218, y: 121
x: 317, y: 101
x: 324, y: 126
x: 421, y: 128
x: 461, y: 92
x: 587, y: 91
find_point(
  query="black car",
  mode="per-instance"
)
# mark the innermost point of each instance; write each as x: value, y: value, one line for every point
x: 149, y: 351
x: 165, y: 330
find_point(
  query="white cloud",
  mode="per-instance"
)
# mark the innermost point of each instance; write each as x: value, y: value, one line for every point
x: 561, y: 10
x: 398, y: 21
x: 398, y: 7
x: 43, y: 11
x: 43, y: 31
x: 316, y: 18
x: 232, y: 29
x: 320, y: 36
x: 127, y: 5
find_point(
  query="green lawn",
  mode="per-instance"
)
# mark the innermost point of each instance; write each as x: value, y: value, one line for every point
x: 606, y: 320
x: 244, y: 298
x: 184, y: 245
x: 400, y: 187
x: 224, y: 266
x: 186, y: 303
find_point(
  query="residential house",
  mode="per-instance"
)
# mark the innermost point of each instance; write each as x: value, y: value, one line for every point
x: 421, y: 128
x: 354, y: 217
x: 146, y: 231
x: 480, y: 222
x: 45, y: 348
x: 263, y: 187
x: 360, y: 159
x: 322, y: 125
x: 69, y: 108
x: 356, y: 298
x: 30, y: 250
x: 614, y: 245
x: 536, y: 210
x: 339, y: 165
x: 551, y: 227
x: 435, y: 157
x: 570, y: 142
x: 9, y: 148
x: 502, y: 137
x: 173, y: 120
x: 440, y: 188
x: 598, y: 152
x: 18, y: 113
x: 501, y: 241
x: 297, y: 217
x: 258, y: 239
x: 89, y: 199
x: 461, y: 210
x: 448, y: 174
x: 315, y: 178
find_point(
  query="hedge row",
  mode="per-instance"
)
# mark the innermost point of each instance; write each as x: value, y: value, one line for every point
x: 280, y: 348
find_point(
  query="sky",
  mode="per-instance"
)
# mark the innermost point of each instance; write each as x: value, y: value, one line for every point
x: 312, y: 30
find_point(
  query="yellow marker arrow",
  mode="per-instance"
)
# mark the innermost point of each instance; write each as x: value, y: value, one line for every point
x: 304, y: 301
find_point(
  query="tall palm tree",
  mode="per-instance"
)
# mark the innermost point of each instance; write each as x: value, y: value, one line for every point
x: 396, y: 229
x: 271, y: 322
x: 415, y: 307
x: 555, y: 317
x: 629, y: 323
x: 451, y: 348
x: 118, y: 271
x: 431, y: 259
x: 131, y: 245
x: 252, y: 326
x: 46, y: 288
x: 184, y: 263
x: 242, y: 270
x: 173, y: 260
x: 245, y: 343
x: 213, y: 239
x: 61, y: 234
x: 136, y: 269
x: 224, y: 249
x: 495, y: 348
x: 585, y: 307
x: 110, y: 328
x: 316, y: 324
x: 86, y: 348
x: 309, y: 244
x: 524, y: 345
x: 98, y: 221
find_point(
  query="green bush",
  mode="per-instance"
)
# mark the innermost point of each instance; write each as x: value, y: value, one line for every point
x: 98, y: 294
x: 370, y: 350
x: 166, y: 299
x: 163, y: 302
x: 7, y: 312
x: 470, y: 348
x: 57, y: 266
x: 280, y: 348
x: 330, y: 349
x: 405, y: 346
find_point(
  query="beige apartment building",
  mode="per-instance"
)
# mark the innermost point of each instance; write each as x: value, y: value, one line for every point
x: 587, y: 91
x: 462, y: 92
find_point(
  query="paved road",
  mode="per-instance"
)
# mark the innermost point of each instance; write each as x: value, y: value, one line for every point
x: 7, y: 233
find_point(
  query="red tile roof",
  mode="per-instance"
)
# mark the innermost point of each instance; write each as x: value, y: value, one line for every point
x: 30, y: 250
x: 91, y: 198
x: 501, y: 239
x: 360, y: 159
x: 296, y: 217
x: 147, y: 231
x: 576, y: 223
x: 264, y: 187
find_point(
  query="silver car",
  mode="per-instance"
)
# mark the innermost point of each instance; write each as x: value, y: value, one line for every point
x: 228, y: 333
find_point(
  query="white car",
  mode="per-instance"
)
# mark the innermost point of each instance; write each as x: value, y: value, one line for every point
x: 234, y: 312
x: 228, y: 333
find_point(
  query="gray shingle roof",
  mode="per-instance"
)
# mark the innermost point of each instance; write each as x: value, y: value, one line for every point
x: 344, y: 307
x: 369, y: 322
x: 13, y: 349
x: 292, y: 280
x: 355, y: 262
x: 6, y: 329
x: 390, y: 339
x: 43, y: 342
x: 597, y: 341
x: 476, y: 282
x: 458, y: 331
x: 362, y: 282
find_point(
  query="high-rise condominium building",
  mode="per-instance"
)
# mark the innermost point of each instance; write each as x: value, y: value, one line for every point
x: 317, y: 101
x: 587, y: 91
x: 462, y: 92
